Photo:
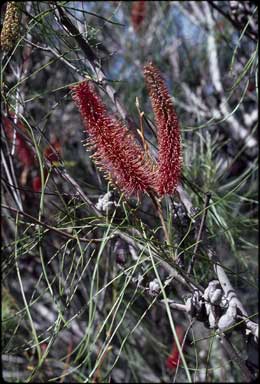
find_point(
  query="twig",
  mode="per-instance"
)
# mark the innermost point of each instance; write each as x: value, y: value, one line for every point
x: 203, y: 219
x: 15, y: 193
x: 233, y: 22
x: 160, y: 214
x: 237, y: 131
x: 58, y: 55
x: 64, y: 174
x: 49, y: 226
x: 185, y: 199
x: 172, y: 271
x: 96, y: 67
x: 173, y: 305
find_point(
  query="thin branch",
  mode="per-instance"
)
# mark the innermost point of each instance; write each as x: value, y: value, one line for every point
x: 12, y: 183
x: 234, y: 356
x: 232, y: 21
x: 174, y: 305
x: 57, y: 54
x: 96, y: 67
x: 59, y: 232
x: 236, y: 130
x: 203, y: 219
x: 160, y: 214
x: 64, y: 174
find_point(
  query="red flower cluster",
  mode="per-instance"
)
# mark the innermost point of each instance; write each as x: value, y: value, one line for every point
x: 115, y: 149
x: 138, y: 12
x: 168, y: 132
x: 173, y: 360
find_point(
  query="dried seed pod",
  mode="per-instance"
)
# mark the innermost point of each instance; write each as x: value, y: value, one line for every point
x: 11, y: 25
x: 154, y: 287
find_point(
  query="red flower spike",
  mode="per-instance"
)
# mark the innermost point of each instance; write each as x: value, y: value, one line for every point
x: 138, y: 11
x: 115, y: 149
x: 168, y: 131
x: 174, y: 358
